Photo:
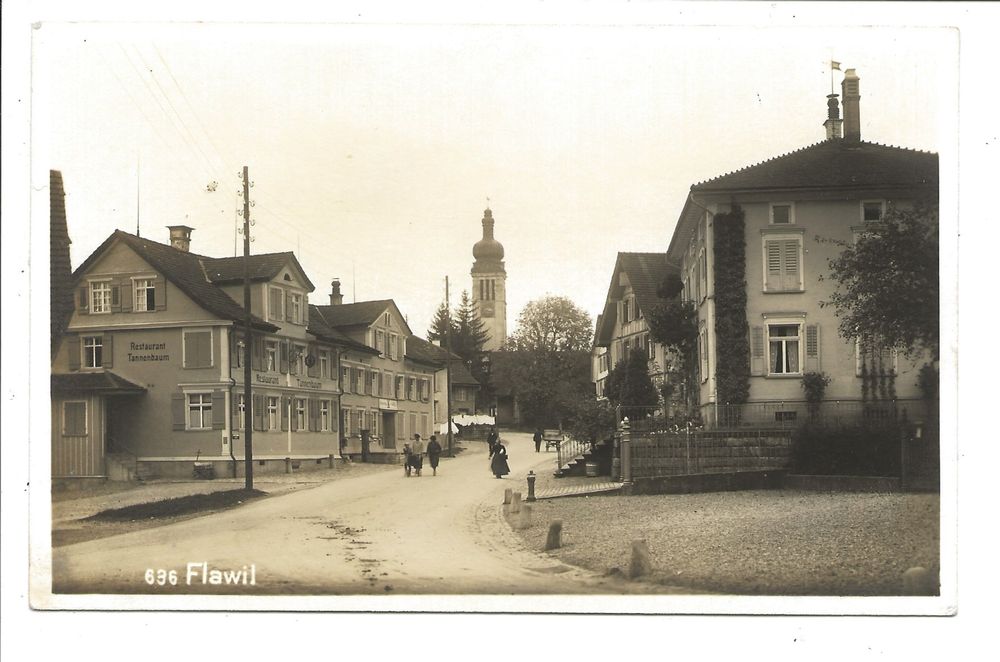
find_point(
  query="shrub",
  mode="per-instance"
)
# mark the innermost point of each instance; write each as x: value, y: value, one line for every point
x: 858, y: 450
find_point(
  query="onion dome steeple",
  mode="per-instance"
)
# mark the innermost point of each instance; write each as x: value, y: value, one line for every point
x: 488, y: 251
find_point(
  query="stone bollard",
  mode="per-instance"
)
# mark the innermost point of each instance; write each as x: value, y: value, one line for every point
x: 554, y: 539
x: 288, y: 465
x: 515, y: 503
x: 531, y: 486
x: 640, y: 564
x: 507, y: 494
x: 332, y: 456
x: 918, y: 581
x: 524, y: 519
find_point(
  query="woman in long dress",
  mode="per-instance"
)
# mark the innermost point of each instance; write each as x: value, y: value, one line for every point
x: 498, y: 465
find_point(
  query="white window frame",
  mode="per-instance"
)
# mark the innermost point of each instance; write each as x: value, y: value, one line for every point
x: 800, y: 338
x: 272, y: 405
x: 150, y: 285
x: 791, y: 213
x: 298, y: 366
x: 105, y: 289
x: 704, y: 360
x: 324, y: 415
x: 792, y: 236
x: 393, y: 346
x: 882, y: 209
x: 211, y: 346
x: 98, y: 344
x: 271, y: 355
x: 301, y: 420
x: 241, y: 353
x: 324, y: 363
x: 203, y: 406
x: 375, y: 383
x: 296, y: 303
x: 86, y: 418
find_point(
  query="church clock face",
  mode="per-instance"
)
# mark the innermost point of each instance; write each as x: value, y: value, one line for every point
x: 487, y: 309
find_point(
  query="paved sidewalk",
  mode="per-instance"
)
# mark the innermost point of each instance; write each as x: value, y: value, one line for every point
x: 602, y: 487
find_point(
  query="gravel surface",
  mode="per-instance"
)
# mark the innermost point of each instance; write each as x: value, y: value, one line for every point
x: 753, y: 542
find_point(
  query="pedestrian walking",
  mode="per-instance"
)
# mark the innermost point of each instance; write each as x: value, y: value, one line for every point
x: 498, y: 465
x: 407, y: 460
x: 492, y: 439
x: 417, y: 453
x: 434, y: 453
x: 538, y: 440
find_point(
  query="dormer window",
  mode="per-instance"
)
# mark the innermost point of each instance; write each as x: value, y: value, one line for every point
x: 144, y: 292
x: 276, y: 303
x: 100, y: 296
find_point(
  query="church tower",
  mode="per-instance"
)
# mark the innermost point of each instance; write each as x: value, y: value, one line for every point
x: 489, y: 284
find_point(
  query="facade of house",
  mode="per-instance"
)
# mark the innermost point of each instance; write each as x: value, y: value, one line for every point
x: 794, y: 207
x: 149, y: 372
x: 622, y: 328
x: 386, y: 389
x: 464, y: 386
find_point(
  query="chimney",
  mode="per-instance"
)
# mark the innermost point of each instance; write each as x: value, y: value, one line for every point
x: 180, y: 237
x: 336, y: 298
x: 834, y: 125
x: 852, y: 110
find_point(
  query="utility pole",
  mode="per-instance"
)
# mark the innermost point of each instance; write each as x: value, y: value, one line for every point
x: 447, y: 363
x: 247, y: 337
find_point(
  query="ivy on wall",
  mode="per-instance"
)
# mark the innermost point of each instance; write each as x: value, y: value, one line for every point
x: 732, y: 333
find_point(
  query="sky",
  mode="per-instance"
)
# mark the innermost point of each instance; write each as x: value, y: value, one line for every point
x: 375, y: 148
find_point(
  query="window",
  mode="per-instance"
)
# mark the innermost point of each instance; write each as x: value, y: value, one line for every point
x: 360, y: 425
x: 703, y: 354
x: 374, y: 422
x: 198, y: 349
x: 300, y: 414
x: 359, y: 381
x: 100, y: 297
x: 376, y: 382
x: 93, y: 350
x: 380, y: 340
x: 411, y: 390
x: 651, y: 349
x: 393, y: 346
x: 240, y: 353
x: 324, y: 364
x: 345, y: 378
x: 324, y: 415
x: 241, y: 411
x: 298, y: 362
x: 782, y: 213
x: 872, y: 210
x: 145, y: 295
x: 271, y: 355
x: 703, y: 273
x: 74, y: 422
x: 400, y: 385
x: 784, y: 347
x: 272, y: 412
x: 199, y: 411
x: 783, y: 264
x: 276, y: 303
x: 295, y: 301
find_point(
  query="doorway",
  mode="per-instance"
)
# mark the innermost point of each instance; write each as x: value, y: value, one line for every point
x: 388, y: 429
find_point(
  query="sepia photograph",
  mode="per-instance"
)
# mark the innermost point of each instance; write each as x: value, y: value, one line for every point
x: 487, y: 316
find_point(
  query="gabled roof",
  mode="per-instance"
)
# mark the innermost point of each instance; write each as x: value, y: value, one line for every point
x: 833, y: 163
x: 319, y: 327
x: 362, y: 313
x: 645, y: 272
x: 264, y: 266
x: 60, y: 269
x: 424, y: 351
x: 461, y: 375
x: 183, y: 269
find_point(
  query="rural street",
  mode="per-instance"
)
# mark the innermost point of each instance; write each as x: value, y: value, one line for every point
x: 375, y: 534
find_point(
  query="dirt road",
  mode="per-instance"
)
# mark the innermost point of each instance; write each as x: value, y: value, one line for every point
x: 380, y: 533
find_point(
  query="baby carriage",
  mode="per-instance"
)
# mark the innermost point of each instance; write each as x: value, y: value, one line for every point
x: 411, y: 461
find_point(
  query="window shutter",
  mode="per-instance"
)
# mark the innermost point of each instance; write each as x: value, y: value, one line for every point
x: 313, y: 370
x: 288, y: 307
x: 116, y: 299
x: 283, y: 358
x: 314, y: 414
x: 257, y: 406
x: 83, y: 299
x: 128, y: 295
x: 257, y: 301
x: 160, y: 294
x: 218, y: 410
x: 205, y: 349
x: 757, y: 350
x: 107, y: 351
x: 73, y: 347
x: 284, y: 403
x: 257, y: 362
x: 790, y: 274
x: 773, y: 282
x: 812, y: 348
x: 177, y: 411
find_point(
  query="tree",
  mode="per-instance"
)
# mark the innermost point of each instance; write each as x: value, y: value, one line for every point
x: 674, y: 324
x: 471, y: 333
x: 552, y: 324
x: 545, y: 363
x: 887, y: 292
x: 628, y: 384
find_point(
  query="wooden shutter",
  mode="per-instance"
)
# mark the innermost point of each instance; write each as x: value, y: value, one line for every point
x: 314, y: 414
x: 790, y: 268
x: 288, y: 307
x: 257, y: 407
x: 83, y: 300
x: 218, y: 410
x: 73, y: 347
x: 773, y: 250
x: 160, y: 294
x: 257, y: 301
x: 283, y: 358
x: 177, y: 406
x: 116, y: 299
x: 313, y: 370
x: 757, y: 364
x: 812, y: 348
x: 107, y: 351
x: 128, y: 295
x: 284, y: 402
x: 205, y: 349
